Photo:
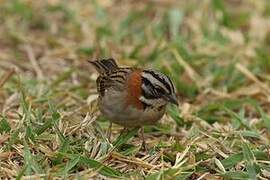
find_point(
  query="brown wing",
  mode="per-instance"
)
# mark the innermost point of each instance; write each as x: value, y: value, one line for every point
x: 114, y: 79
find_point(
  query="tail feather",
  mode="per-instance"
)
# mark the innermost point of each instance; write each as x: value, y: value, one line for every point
x: 104, y: 65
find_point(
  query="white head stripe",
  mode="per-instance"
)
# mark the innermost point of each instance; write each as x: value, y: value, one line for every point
x: 155, y: 81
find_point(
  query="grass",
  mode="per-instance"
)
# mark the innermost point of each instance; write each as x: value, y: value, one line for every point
x: 216, y: 52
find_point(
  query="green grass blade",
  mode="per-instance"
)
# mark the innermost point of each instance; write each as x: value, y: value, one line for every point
x: 30, y: 160
x: 4, y: 125
x: 124, y: 137
x: 91, y: 163
x: 249, y: 158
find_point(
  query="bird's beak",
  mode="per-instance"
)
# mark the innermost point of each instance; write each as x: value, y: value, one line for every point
x: 172, y: 99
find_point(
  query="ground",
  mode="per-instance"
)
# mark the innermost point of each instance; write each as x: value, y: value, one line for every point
x: 215, y: 51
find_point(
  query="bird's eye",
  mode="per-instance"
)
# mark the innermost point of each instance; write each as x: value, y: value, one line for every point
x: 159, y: 90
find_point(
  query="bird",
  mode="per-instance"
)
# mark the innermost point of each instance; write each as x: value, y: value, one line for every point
x: 132, y: 97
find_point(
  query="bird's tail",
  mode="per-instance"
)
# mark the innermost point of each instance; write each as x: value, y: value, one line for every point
x: 104, y: 65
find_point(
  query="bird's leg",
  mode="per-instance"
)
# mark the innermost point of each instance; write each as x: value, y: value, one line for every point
x: 109, y: 132
x: 143, y: 139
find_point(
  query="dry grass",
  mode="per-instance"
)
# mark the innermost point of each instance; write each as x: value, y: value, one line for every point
x: 217, y: 53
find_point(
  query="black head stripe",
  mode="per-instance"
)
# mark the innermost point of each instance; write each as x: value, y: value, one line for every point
x: 172, y: 86
x: 148, y: 89
x: 163, y: 79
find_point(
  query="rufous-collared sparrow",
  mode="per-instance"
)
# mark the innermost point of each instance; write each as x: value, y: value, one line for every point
x: 132, y: 97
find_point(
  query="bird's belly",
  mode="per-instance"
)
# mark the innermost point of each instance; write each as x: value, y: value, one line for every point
x: 113, y: 107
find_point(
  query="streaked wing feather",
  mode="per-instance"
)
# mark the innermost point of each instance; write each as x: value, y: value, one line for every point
x: 114, y: 79
x: 104, y: 65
